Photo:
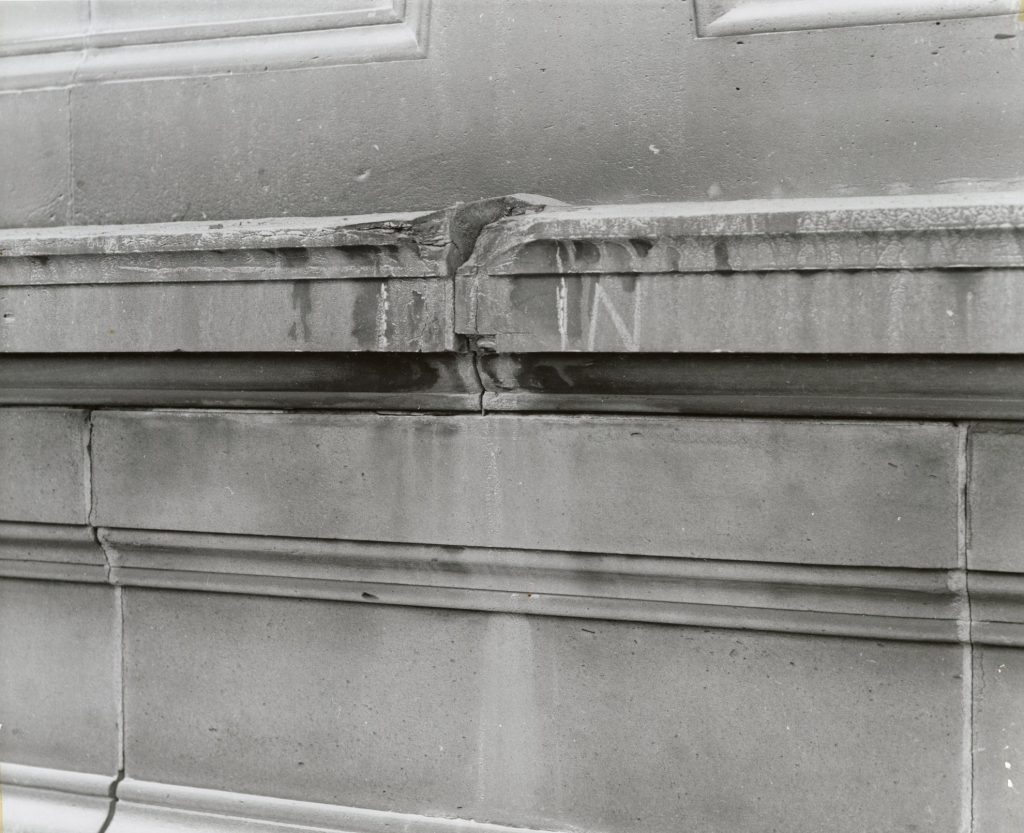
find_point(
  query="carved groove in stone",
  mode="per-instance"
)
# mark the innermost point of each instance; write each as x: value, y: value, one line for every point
x: 55, y: 801
x: 50, y: 551
x: 850, y: 601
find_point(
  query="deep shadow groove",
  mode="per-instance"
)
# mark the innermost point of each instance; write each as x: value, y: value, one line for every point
x: 963, y: 552
x: 113, y: 802
x: 479, y: 380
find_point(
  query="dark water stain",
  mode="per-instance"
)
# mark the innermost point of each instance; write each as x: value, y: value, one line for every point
x: 416, y: 323
x: 722, y: 256
x: 364, y: 314
x: 538, y: 256
x: 362, y: 257
x: 302, y: 303
x: 643, y: 247
x: 585, y: 253
x: 294, y: 256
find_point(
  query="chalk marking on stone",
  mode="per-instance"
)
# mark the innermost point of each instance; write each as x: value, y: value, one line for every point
x: 563, y: 314
x: 382, y: 316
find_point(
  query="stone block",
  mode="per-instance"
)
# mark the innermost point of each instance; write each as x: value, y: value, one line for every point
x: 996, y: 495
x: 881, y: 494
x: 998, y: 740
x: 34, y: 168
x: 541, y: 722
x: 45, y: 473
x: 60, y: 676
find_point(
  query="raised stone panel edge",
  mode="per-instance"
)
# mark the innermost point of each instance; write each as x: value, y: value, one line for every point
x: 389, y: 31
x: 729, y: 18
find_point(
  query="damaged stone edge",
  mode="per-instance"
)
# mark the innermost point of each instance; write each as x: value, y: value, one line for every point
x: 884, y: 233
x: 412, y: 244
x: 502, y: 235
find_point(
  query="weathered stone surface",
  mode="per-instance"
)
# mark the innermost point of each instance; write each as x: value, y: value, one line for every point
x: 55, y: 552
x: 541, y: 722
x: 59, y: 675
x: 997, y: 608
x: 107, y: 40
x: 156, y: 807
x: 619, y: 104
x: 371, y: 283
x: 371, y: 241
x: 996, y: 496
x: 35, y: 182
x: 804, y: 385
x: 724, y: 18
x: 998, y: 740
x: 922, y: 605
x: 830, y: 493
x: 45, y: 476
x: 909, y: 312
x: 364, y: 380
x: 878, y: 232
x: 398, y: 315
x: 41, y: 800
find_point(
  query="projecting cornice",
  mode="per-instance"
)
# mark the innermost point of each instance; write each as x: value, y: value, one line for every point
x: 869, y: 306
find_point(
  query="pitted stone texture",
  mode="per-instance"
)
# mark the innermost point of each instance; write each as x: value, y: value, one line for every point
x: 43, y: 468
x: 59, y: 675
x: 921, y: 312
x: 996, y: 495
x: 998, y: 740
x: 231, y: 316
x: 539, y: 722
x: 881, y: 494
x: 35, y: 186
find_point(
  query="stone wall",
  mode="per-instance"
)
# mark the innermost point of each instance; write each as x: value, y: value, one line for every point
x: 516, y: 515
x: 589, y: 101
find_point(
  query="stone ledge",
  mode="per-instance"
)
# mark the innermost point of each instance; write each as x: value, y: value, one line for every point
x: 54, y: 801
x: 997, y: 607
x: 836, y: 386
x: 50, y: 551
x: 439, y: 382
x: 145, y: 807
x: 920, y: 605
x: 912, y: 232
x: 884, y: 275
